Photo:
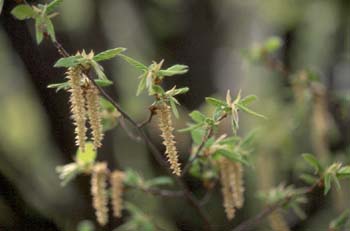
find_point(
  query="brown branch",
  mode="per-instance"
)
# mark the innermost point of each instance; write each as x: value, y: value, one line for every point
x: 152, y: 112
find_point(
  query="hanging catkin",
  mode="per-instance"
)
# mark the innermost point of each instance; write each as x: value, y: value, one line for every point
x: 116, y: 181
x: 99, y: 192
x: 94, y: 114
x: 77, y: 102
x: 231, y: 177
x: 166, y: 127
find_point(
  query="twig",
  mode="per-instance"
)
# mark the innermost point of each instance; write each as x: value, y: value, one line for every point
x: 257, y: 219
x: 154, y: 150
x: 208, y: 194
x: 152, y: 112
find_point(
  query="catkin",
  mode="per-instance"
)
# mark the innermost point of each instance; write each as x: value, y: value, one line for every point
x: 99, y: 192
x: 94, y: 114
x: 116, y: 181
x: 166, y: 127
x: 277, y: 222
x: 77, y: 102
x: 231, y: 177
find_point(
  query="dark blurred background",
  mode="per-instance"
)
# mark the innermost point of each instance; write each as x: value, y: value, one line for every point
x: 209, y: 36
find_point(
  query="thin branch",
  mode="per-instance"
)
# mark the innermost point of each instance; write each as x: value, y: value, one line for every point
x: 152, y: 112
x: 257, y: 219
x: 209, y: 193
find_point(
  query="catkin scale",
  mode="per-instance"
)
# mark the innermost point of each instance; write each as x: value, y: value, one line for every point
x: 94, y: 114
x: 116, y: 181
x: 166, y: 127
x: 77, y: 102
x: 231, y: 177
x: 99, y: 192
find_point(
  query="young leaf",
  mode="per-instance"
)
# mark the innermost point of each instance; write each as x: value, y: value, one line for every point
x: 215, y: 102
x: 159, y: 181
x: 174, y: 70
x: 103, y: 82
x: 312, y: 161
x: 142, y: 84
x: 197, y: 116
x: 52, y: 5
x: 59, y: 86
x: 272, y: 44
x: 341, y: 221
x: 86, y: 225
x: 190, y: 128
x: 108, y: 54
x: 248, y: 100
x: 39, y: 27
x: 327, y: 183
x: 173, y: 107
x: 133, y: 62
x: 88, y: 156
x: 23, y: 11
x: 98, y: 70
x: 68, y: 62
x: 249, y: 111
x: 50, y: 29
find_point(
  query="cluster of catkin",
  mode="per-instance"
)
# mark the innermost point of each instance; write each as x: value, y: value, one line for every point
x: 84, y: 100
x: 166, y: 127
x: 99, y: 192
x: 231, y: 177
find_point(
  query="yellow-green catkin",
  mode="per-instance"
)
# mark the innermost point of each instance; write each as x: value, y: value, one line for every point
x: 99, y: 192
x: 117, y: 188
x: 94, y: 114
x: 231, y: 177
x: 277, y: 222
x: 166, y: 127
x: 77, y: 102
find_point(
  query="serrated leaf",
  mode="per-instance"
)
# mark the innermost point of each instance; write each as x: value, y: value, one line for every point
x: 103, y: 82
x: 68, y: 61
x: 197, y: 116
x: 249, y: 111
x: 312, y: 161
x: 248, y: 100
x: 23, y: 11
x: 133, y: 62
x: 230, y: 155
x: 215, y: 102
x: 59, y: 86
x: 52, y: 5
x: 197, y: 136
x: 88, y: 156
x: 39, y: 30
x: 174, y: 70
x: 98, y: 70
x: 108, y: 54
x: 190, y: 128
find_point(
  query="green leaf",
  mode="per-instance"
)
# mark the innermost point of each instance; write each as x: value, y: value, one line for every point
x: 86, y: 225
x: 344, y: 171
x: 132, y: 178
x: 248, y: 100
x: 50, y: 29
x: 39, y: 26
x: 69, y: 61
x: 308, y: 178
x: 215, y: 102
x: 190, y: 128
x: 108, y: 54
x: 230, y: 155
x: 249, y: 111
x: 272, y: 44
x: 339, y: 222
x: 327, y: 183
x: 52, y: 5
x: 59, y: 86
x: 88, y: 156
x: 312, y: 161
x: 173, y: 107
x: 174, y: 70
x: 98, y: 70
x: 197, y: 136
x: 142, y: 84
x: 103, y: 82
x: 23, y: 11
x: 134, y: 62
x: 159, y: 181
x: 197, y: 116
x: 156, y: 89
